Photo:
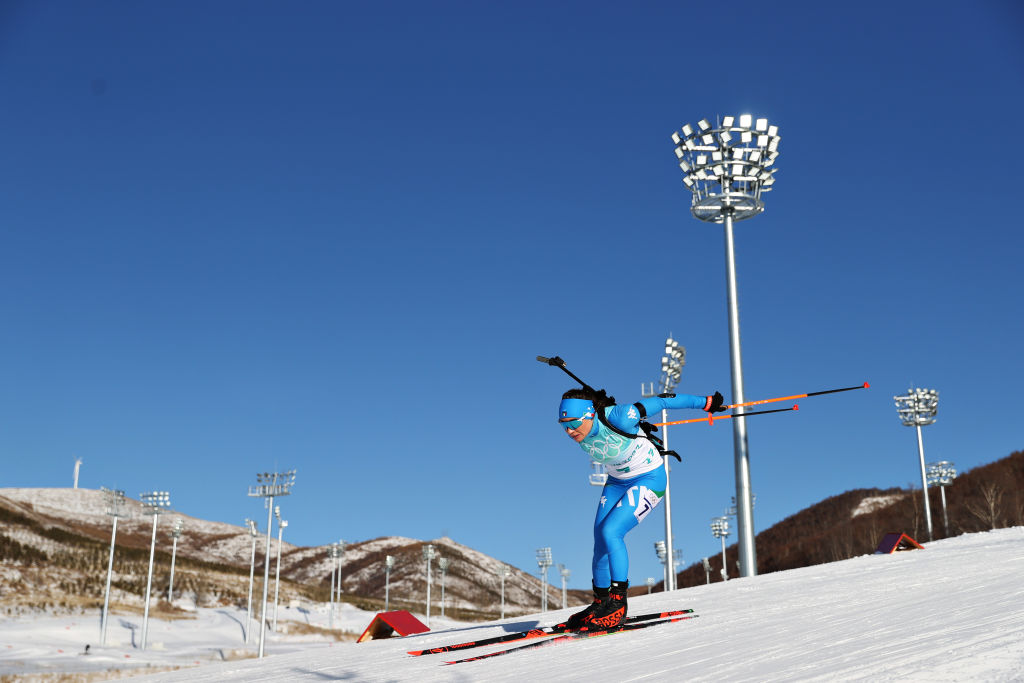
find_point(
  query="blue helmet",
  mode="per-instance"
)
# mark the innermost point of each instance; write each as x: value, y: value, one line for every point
x: 576, y: 407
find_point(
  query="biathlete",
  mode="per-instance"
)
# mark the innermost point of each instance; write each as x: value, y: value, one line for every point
x: 636, y: 484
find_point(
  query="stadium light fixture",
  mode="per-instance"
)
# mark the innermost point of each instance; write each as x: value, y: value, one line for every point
x: 728, y: 194
x: 333, y: 553
x: 443, y: 563
x: 942, y: 474
x: 176, y: 528
x: 720, y: 529
x: 659, y: 550
x: 153, y: 503
x: 281, y: 525
x: 672, y: 364
x: 544, y: 561
x: 429, y: 553
x: 269, y: 486
x: 565, y: 573
x: 389, y: 563
x: 917, y: 408
x: 707, y: 569
x: 115, y: 503
x: 254, y: 533
x: 503, y: 572
x: 650, y: 584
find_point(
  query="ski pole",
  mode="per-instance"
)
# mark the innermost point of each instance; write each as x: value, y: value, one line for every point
x: 790, y: 398
x: 712, y: 418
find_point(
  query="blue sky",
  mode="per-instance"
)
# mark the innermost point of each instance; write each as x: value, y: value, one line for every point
x: 241, y: 236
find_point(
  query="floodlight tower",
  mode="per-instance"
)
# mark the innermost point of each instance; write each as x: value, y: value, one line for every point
x: 333, y: 553
x: 269, y: 485
x: 720, y: 529
x: 544, y: 561
x: 503, y: 571
x: 443, y: 563
x: 659, y: 550
x: 917, y: 408
x: 429, y: 553
x: 254, y: 533
x: 728, y: 168
x: 707, y: 569
x: 389, y: 563
x: 176, y: 528
x: 154, y: 502
x: 281, y: 525
x: 671, y: 371
x: 341, y: 554
x: 942, y: 474
x: 115, y: 501
x: 650, y: 584
x: 565, y: 577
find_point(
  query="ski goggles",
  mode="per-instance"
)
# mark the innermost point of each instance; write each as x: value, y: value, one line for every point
x: 574, y: 423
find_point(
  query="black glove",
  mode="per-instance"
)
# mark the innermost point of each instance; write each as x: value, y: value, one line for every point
x: 716, y: 403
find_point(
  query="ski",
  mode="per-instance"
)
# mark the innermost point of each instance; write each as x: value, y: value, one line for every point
x: 537, y: 633
x: 574, y: 635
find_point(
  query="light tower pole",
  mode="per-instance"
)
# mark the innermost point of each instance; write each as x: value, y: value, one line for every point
x: 727, y: 169
x: 720, y: 529
x: 671, y: 371
x: 281, y: 525
x: 333, y: 553
x: 176, y: 528
x: 254, y: 533
x: 389, y: 562
x: 115, y: 499
x: 503, y: 571
x: 544, y: 561
x: 154, y: 502
x: 429, y: 553
x: 659, y: 550
x: 341, y: 556
x: 942, y: 474
x: 443, y: 564
x: 78, y: 467
x: 565, y: 577
x: 269, y: 485
x: 917, y: 408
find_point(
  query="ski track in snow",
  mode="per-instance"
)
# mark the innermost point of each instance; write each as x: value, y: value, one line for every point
x: 950, y: 612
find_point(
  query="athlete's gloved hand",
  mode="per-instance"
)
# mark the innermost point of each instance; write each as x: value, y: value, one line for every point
x: 714, y: 404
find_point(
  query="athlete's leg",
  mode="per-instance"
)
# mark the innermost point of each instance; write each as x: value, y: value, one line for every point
x: 633, y: 501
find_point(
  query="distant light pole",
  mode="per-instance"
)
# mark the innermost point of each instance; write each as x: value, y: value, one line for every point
x: 154, y: 503
x: 254, y: 532
x: 333, y: 553
x: 727, y: 169
x: 281, y: 524
x: 917, y: 408
x: 671, y: 372
x: 677, y: 560
x: 115, y: 499
x: 565, y: 577
x: 429, y: 553
x: 503, y: 571
x: 942, y: 474
x: 544, y: 561
x: 78, y: 466
x: 341, y: 555
x: 650, y: 584
x: 659, y: 550
x: 707, y: 569
x: 720, y: 529
x: 269, y: 485
x: 442, y: 564
x: 176, y: 528
x: 389, y: 562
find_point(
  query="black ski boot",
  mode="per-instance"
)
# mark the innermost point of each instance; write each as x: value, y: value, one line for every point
x: 613, y: 610
x: 580, y: 618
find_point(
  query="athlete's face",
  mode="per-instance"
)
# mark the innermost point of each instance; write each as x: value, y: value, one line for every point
x: 580, y: 428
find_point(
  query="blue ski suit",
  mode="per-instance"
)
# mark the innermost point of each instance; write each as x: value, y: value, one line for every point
x: 636, y: 480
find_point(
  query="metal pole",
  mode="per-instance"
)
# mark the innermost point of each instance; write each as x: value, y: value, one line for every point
x: 277, y: 576
x: 149, y: 584
x: 106, y: 594
x: 924, y: 485
x: 744, y: 507
x: 670, y: 574
x: 170, y: 586
x: 334, y: 569
x: 429, y: 558
x: 725, y: 567
x: 266, y: 576
x: 252, y: 571
x: 388, y: 560
x: 504, y: 572
x: 945, y: 517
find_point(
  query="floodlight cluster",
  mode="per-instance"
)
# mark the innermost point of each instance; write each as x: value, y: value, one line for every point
x: 720, y: 527
x: 941, y: 473
x: 917, y: 407
x: 155, y: 502
x: 544, y: 558
x: 727, y: 166
x: 672, y: 364
x: 273, y: 484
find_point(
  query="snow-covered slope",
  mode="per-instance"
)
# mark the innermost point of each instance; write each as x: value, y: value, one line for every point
x: 950, y: 612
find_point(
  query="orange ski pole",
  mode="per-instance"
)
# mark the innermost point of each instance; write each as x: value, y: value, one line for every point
x: 711, y: 418
x: 790, y: 398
